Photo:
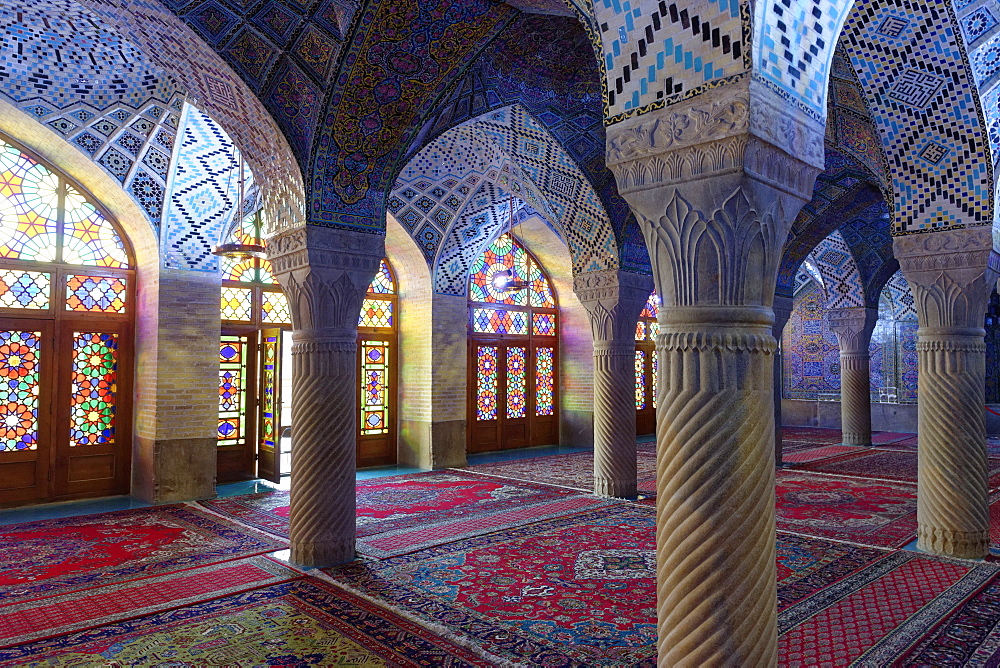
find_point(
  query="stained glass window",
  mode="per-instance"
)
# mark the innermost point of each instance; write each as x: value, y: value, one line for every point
x: 19, y: 367
x: 486, y: 383
x: 382, y: 283
x: 24, y: 289
x: 95, y: 371
x: 248, y: 270
x: 275, y: 308
x: 652, y: 308
x: 98, y: 294
x: 88, y: 237
x: 268, y: 405
x: 640, y: 379
x: 495, y: 321
x: 516, y: 382
x: 543, y: 324
x: 237, y: 304
x: 375, y: 313
x: 374, y: 387
x: 640, y: 331
x: 656, y: 378
x: 544, y: 381
x: 232, y: 390
x: 505, y: 255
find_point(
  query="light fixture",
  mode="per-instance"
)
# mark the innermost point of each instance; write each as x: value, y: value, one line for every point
x: 503, y: 281
x: 238, y: 251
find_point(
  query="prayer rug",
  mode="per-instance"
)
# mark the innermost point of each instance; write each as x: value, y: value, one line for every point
x: 886, y: 437
x: 574, y: 470
x: 53, y: 557
x: 907, y: 444
x: 300, y: 623
x: 881, y: 514
x: 814, y: 454
x: 811, y: 434
x: 22, y: 622
x: 871, y: 617
x: 880, y: 464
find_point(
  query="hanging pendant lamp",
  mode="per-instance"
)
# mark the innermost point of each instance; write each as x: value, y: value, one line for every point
x: 239, y: 251
x: 503, y: 281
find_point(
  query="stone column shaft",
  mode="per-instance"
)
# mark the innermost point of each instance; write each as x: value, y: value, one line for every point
x: 951, y: 274
x: 614, y: 300
x: 854, y: 327
x: 325, y: 274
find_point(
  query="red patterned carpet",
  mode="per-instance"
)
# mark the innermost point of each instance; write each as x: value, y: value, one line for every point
x: 881, y: 514
x: 299, y: 623
x: 55, y: 557
x: 813, y: 454
x: 883, y: 464
x: 575, y: 470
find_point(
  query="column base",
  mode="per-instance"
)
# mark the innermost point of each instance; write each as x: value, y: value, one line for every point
x: 962, y: 544
x: 856, y: 439
x: 614, y: 488
x: 323, y: 553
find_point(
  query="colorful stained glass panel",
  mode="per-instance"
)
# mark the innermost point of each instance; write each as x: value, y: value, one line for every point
x: 544, y: 381
x: 656, y: 378
x: 496, y: 321
x: 96, y: 294
x: 24, y: 289
x: 94, y: 373
x: 275, y: 308
x: 382, y: 283
x: 88, y: 237
x: 29, y: 198
x: 19, y: 367
x: 486, y: 383
x: 237, y: 304
x: 268, y: 405
x: 266, y: 272
x: 516, y: 382
x: 652, y: 308
x: 243, y: 270
x: 541, y: 291
x: 640, y: 331
x: 375, y: 313
x: 502, y: 255
x: 374, y: 387
x: 232, y: 390
x: 654, y: 329
x: 543, y: 324
x: 640, y: 380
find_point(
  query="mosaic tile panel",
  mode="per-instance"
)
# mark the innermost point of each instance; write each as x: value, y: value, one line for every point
x: 842, y: 284
x: 810, y: 353
x: 868, y: 236
x: 921, y: 90
x: 203, y: 196
x: 655, y: 53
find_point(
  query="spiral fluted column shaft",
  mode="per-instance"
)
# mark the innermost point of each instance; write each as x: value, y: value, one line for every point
x: 952, y: 508
x: 614, y: 419
x: 855, y: 398
x: 715, y: 537
x: 323, y: 506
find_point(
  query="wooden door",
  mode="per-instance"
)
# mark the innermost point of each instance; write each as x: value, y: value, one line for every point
x: 544, y: 424
x: 269, y: 421
x: 376, y: 444
x: 236, y: 453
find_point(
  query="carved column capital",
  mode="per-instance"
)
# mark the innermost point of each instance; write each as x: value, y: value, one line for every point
x: 782, y: 307
x: 325, y: 273
x: 853, y: 327
x: 614, y: 299
x: 951, y: 274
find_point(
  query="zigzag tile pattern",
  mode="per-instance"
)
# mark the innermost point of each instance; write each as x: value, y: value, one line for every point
x: 841, y: 278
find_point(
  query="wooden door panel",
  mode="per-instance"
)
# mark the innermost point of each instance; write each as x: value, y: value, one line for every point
x: 268, y: 449
x: 236, y: 452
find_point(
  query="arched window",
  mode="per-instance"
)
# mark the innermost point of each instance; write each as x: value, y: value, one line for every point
x: 646, y: 330
x: 66, y: 313
x: 513, y: 400
x: 377, y: 371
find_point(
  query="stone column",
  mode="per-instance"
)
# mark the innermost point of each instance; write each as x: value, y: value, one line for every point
x: 715, y: 185
x: 782, y: 312
x: 854, y: 327
x: 951, y: 274
x: 614, y: 301
x: 325, y: 274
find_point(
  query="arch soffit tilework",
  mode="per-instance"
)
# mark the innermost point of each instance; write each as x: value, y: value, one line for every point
x: 925, y: 103
x: 896, y: 294
x: 72, y: 72
x: 216, y: 89
x: 869, y: 237
x: 842, y: 283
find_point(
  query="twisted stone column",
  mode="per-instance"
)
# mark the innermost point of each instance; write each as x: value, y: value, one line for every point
x: 325, y: 274
x: 614, y: 301
x: 782, y: 313
x: 715, y: 182
x: 854, y: 327
x: 951, y: 274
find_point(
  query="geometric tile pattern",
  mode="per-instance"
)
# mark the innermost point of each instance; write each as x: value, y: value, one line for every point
x: 794, y: 46
x: 809, y: 349
x: 658, y: 52
x: 203, y: 194
x: 849, y: 125
x: 98, y: 92
x: 868, y: 235
x: 920, y: 89
x: 841, y: 279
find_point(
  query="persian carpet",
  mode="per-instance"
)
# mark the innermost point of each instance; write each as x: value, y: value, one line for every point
x: 22, y: 622
x: 881, y: 514
x: 887, y: 437
x: 300, y: 623
x: 907, y: 444
x: 883, y: 464
x: 871, y: 617
x: 575, y: 470
x: 814, y: 454
x: 811, y: 434
x: 53, y: 557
